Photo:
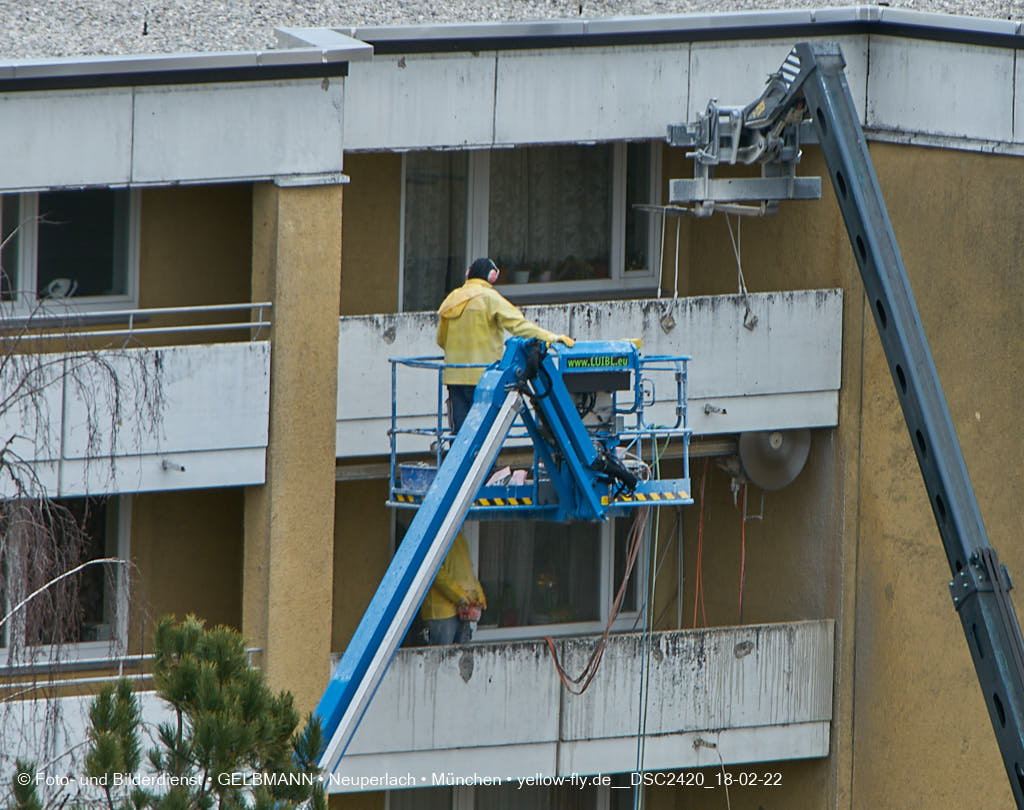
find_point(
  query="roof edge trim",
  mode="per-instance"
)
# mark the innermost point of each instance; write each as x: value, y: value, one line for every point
x: 321, y: 53
x: 663, y: 29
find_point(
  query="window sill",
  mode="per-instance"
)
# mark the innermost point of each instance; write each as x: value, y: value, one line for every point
x: 556, y: 292
x: 86, y: 655
x: 625, y: 623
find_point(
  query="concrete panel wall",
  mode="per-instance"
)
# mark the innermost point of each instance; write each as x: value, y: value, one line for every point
x: 498, y: 709
x: 784, y: 373
x: 908, y: 86
x: 416, y: 100
x: 24, y: 724
x: 69, y: 137
x: 1018, y: 100
x: 172, y: 134
x: 735, y: 72
x: 556, y: 95
x: 234, y: 131
x: 588, y: 94
x: 137, y: 420
x: 941, y: 88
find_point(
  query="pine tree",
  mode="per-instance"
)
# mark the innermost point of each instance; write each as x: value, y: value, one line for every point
x: 232, y: 743
x: 227, y: 722
x: 113, y: 737
x: 23, y: 787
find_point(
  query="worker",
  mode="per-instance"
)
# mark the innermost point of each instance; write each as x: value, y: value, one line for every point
x: 471, y: 329
x: 455, y: 601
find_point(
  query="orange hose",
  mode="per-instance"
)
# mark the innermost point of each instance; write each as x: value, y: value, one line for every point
x: 579, y: 684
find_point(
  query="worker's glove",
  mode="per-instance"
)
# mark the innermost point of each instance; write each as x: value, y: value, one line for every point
x: 469, y: 612
x: 568, y: 341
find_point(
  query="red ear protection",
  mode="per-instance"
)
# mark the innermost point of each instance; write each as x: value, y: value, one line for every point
x: 482, y: 269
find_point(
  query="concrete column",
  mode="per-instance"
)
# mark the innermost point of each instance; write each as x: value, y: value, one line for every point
x: 289, y: 521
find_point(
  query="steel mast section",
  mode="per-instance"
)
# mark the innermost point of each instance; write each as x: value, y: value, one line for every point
x: 811, y: 85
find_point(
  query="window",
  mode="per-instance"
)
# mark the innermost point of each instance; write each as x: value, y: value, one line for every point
x: 550, y: 578
x: 544, y: 578
x: 510, y: 796
x: 434, y: 254
x: 69, y: 244
x: 560, y: 221
x: 100, y: 613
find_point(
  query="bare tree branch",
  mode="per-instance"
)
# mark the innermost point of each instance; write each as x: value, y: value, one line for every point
x: 51, y: 368
x: 55, y: 580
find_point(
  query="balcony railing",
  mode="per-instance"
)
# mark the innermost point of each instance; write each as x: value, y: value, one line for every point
x: 25, y: 679
x: 48, y: 324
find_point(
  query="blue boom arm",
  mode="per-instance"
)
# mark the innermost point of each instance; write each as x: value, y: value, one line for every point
x: 588, y: 482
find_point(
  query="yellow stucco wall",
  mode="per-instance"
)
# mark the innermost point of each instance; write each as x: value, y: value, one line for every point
x: 289, y: 522
x: 187, y: 549
x: 195, y: 245
x: 195, y: 248
x: 370, y: 800
x: 923, y: 736
x: 853, y: 538
x: 371, y: 234
x: 797, y: 562
x: 362, y: 551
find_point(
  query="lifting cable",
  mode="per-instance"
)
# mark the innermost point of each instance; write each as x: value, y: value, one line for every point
x: 698, y: 595
x: 749, y: 318
x: 646, y: 637
x: 676, y: 530
x: 663, y: 211
x: 743, y: 543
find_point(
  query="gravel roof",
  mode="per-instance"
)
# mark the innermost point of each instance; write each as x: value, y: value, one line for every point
x: 33, y: 29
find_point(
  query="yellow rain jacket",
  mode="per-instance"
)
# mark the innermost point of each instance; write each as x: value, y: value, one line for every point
x: 455, y: 582
x: 473, y: 321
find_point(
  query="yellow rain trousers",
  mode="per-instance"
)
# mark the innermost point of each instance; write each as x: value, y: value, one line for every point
x: 455, y: 582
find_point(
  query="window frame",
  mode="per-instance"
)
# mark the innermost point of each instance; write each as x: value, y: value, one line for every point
x: 43, y: 654
x: 464, y: 797
x: 26, y: 273
x: 619, y: 281
x: 626, y: 621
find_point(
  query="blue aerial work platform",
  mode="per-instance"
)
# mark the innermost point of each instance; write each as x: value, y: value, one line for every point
x: 585, y: 410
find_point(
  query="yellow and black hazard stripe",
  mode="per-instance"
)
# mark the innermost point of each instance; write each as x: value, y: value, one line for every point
x: 402, y: 498
x: 646, y: 497
x: 503, y: 502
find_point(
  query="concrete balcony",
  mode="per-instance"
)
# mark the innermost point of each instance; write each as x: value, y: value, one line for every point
x: 118, y: 420
x: 745, y: 694
x: 783, y: 373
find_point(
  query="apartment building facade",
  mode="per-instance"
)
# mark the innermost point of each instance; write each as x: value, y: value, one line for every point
x: 335, y: 189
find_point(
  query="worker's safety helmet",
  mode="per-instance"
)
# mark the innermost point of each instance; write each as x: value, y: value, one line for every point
x: 483, y: 268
